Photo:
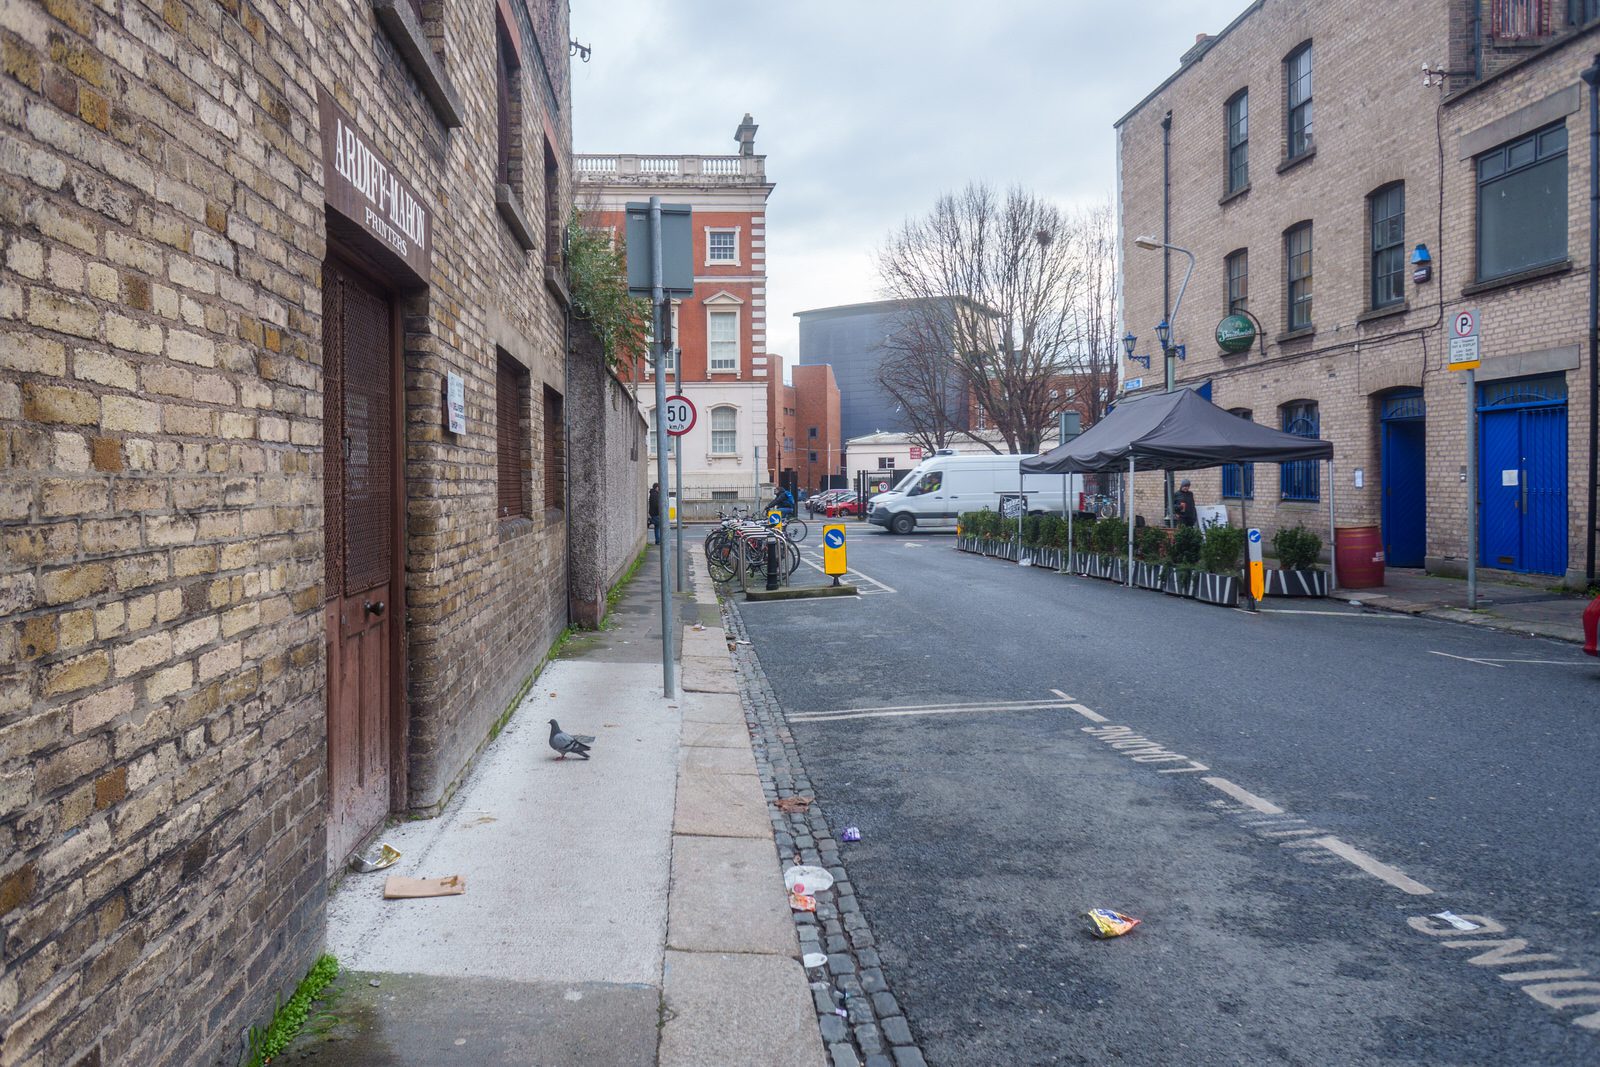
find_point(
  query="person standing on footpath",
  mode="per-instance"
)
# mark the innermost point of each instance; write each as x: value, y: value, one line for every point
x: 653, y: 506
x: 1183, y: 506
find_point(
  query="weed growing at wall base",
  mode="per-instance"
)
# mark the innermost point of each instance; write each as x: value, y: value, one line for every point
x: 291, y: 1014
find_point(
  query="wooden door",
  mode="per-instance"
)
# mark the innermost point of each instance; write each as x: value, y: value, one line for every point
x: 359, y: 492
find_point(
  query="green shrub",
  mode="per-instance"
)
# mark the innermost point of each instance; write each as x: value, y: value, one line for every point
x: 1297, y: 548
x: 1184, y: 548
x: 1220, y: 553
x: 1111, y: 536
x: 1030, y: 530
x: 1083, y: 535
x: 1150, y: 543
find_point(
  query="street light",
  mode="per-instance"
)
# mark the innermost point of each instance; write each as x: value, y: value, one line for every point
x: 1128, y: 341
x: 1164, y: 331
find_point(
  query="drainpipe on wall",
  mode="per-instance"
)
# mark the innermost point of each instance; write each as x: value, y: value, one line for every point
x: 1166, y: 292
x: 1592, y: 77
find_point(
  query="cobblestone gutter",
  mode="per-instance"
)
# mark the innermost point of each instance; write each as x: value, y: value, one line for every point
x: 873, y: 1029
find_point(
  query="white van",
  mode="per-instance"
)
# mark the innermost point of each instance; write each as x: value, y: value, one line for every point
x: 940, y: 488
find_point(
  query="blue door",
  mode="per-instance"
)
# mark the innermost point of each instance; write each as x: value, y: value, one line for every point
x: 1523, y: 474
x: 1405, y: 480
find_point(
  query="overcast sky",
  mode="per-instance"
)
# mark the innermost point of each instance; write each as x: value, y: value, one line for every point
x: 870, y: 109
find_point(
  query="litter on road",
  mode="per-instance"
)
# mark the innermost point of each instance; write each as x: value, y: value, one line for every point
x: 1107, y: 923
x: 851, y: 833
x: 801, y: 902
x: 387, y: 855
x: 806, y: 880
x: 794, y: 805
x: 399, y: 887
x: 1455, y: 920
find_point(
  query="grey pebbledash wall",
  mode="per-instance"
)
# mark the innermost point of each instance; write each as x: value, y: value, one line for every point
x: 609, y: 477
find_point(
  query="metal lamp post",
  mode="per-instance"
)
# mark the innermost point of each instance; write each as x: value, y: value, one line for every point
x: 1164, y: 332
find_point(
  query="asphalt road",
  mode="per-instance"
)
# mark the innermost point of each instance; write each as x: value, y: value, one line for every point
x: 1283, y: 799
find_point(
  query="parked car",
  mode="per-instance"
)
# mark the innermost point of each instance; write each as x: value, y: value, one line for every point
x: 1591, y: 623
x: 846, y: 505
x: 818, y: 502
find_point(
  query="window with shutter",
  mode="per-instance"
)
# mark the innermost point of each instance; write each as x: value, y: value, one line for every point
x: 511, y: 436
x: 555, y: 451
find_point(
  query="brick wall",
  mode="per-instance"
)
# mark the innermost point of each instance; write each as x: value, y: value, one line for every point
x: 1375, y: 123
x: 162, y: 657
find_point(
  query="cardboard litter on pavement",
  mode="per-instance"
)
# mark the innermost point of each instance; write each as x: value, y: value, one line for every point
x: 399, y: 887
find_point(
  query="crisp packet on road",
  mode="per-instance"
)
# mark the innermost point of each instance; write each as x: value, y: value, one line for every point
x: 851, y: 833
x: 1107, y: 923
x: 802, y: 902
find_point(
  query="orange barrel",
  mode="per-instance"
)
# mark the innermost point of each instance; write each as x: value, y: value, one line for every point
x: 1359, y: 552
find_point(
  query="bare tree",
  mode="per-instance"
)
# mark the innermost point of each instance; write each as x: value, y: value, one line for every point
x: 921, y: 376
x: 1096, y: 360
x: 1004, y: 276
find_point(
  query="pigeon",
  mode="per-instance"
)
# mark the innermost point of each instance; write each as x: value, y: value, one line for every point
x: 569, y: 744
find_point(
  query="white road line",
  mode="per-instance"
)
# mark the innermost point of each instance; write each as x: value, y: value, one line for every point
x: 1374, y: 866
x: 1336, y: 614
x: 1244, y: 796
x: 1467, y: 659
x: 840, y: 716
x: 857, y: 573
x: 1547, y: 662
x: 1092, y: 716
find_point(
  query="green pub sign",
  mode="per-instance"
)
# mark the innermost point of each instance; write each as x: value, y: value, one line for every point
x: 1236, y: 333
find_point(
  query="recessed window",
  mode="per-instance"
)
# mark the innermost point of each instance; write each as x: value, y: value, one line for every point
x: 508, y: 110
x: 724, y: 431
x: 1299, y: 479
x: 1297, y: 72
x: 1297, y: 250
x: 1238, y: 271
x: 886, y: 463
x: 811, y: 457
x: 722, y: 340
x: 1239, y: 141
x: 554, y: 224
x: 722, y: 246
x: 1239, y: 479
x: 811, y: 432
x: 1387, y: 209
x: 555, y: 450
x: 1522, y: 204
x: 511, y: 436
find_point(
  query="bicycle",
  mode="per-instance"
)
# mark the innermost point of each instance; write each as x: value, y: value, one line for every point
x: 793, y: 527
x: 1103, y: 506
x: 737, y: 534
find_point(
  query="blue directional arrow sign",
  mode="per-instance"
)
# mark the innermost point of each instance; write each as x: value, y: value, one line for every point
x: 834, y: 538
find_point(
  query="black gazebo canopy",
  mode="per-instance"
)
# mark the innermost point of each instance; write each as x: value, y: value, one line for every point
x: 1174, y: 431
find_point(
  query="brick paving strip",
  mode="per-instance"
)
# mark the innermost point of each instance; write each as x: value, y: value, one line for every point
x: 874, y: 1029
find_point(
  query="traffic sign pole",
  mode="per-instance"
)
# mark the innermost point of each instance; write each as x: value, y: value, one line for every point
x: 1464, y: 356
x: 1258, y: 577
x: 677, y: 454
x: 669, y: 664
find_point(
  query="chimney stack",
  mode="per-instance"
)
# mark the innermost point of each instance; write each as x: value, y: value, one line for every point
x: 746, y: 136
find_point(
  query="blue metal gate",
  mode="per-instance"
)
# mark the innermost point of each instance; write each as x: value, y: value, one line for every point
x: 1522, y: 426
x: 1405, y: 479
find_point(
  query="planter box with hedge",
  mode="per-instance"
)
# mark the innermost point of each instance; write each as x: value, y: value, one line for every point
x: 1218, y: 580
x: 1297, y: 573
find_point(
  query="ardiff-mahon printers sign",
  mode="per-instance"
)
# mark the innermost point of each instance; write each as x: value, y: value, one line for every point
x: 360, y: 184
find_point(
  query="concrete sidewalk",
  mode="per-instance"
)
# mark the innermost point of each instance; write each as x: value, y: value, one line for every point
x: 628, y: 910
x: 1523, y: 609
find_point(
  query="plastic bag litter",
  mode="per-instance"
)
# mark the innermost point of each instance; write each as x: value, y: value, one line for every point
x: 1106, y: 923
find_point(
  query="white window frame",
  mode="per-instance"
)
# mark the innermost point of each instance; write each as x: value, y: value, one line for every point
x: 738, y: 234
x: 711, y: 361
x: 711, y: 423
x: 672, y: 354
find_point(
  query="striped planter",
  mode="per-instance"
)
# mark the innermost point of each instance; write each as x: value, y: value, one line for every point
x: 1148, y: 575
x: 1222, y: 589
x: 1297, y: 583
x: 1177, y: 581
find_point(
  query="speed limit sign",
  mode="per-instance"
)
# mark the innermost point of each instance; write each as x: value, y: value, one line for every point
x: 680, y: 415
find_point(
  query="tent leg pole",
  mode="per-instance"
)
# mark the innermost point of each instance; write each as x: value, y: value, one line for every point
x: 1333, y: 553
x: 1129, y: 495
x: 1066, y: 562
